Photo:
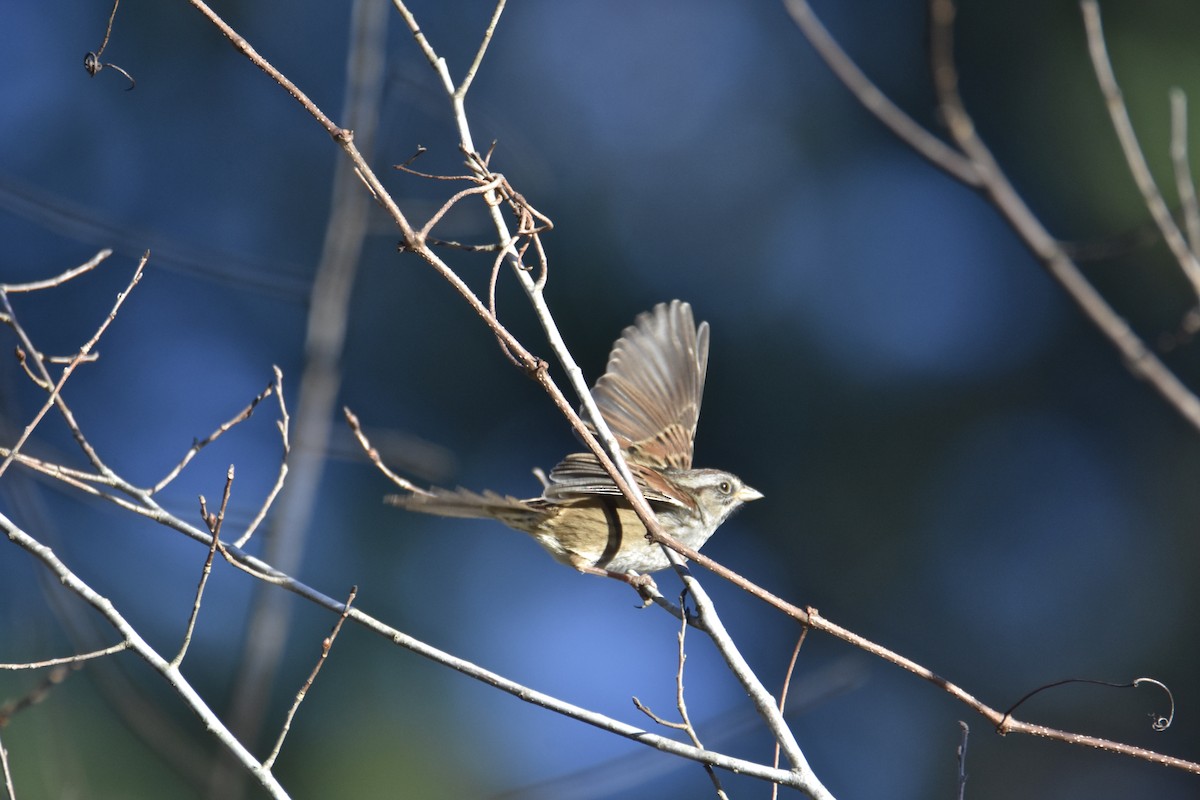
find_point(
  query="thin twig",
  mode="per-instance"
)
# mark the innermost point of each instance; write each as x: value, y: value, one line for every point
x: 995, y: 186
x: 57, y: 280
x: 8, y: 779
x: 326, y: 646
x: 876, y: 102
x: 681, y: 702
x: 213, y: 522
x: 783, y: 692
x: 764, y: 704
x: 1185, y: 186
x: 92, y: 62
x: 962, y: 761
x: 1158, y: 722
x: 54, y: 662
x: 200, y: 444
x: 128, y: 633
x: 320, y: 380
x: 615, y: 465
x: 373, y: 455
x: 242, y: 46
x: 1134, y: 157
x: 463, y: 87
x: 485, y: 187
x: 55, y: 396
x: 108, y: 30
x: 283, y: 424
x: 685, y: 723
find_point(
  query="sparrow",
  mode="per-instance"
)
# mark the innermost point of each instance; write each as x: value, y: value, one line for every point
x: 650, y: 398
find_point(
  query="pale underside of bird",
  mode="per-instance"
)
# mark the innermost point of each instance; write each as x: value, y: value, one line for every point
x: 650, y: 398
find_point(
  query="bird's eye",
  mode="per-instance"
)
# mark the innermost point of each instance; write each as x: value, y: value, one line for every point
x: 725, y: 487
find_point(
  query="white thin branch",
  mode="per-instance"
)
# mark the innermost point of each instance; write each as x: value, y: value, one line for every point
x: 169, y: 673
x: 57, y: 280
x: 764, y: 703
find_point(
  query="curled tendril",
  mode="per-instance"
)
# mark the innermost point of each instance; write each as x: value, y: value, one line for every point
x: 1158, y: 723
x: 92, y: 62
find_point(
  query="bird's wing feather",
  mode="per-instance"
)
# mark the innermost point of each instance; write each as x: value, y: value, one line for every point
x: 650, y: 394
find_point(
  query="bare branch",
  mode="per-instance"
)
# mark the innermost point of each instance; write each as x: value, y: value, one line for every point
x: 1185, y: 186
x: 200, y: 444
x: 783, y: 692
x: 54, y: 662
x: 764, y: 704
x: 281, y: 476
x: 8, y: 781
x: 57, y: 280
x: 465, y: 86
x: 373, y: 455
x: 214, y: 522
x: 876, y: 102
x: 962, y: 761
x: 1134, y: 156
x: 326, y: 646
x: 169, y: 673
x: 55, y: 397
x: 996, y: 187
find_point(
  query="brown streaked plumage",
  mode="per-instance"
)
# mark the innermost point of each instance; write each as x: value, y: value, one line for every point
x: 650, y: 397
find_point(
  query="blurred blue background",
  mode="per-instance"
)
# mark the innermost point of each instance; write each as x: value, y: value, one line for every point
x: 955, y: 463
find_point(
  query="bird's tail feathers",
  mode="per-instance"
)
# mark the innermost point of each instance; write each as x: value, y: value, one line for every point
x: 468, y: 504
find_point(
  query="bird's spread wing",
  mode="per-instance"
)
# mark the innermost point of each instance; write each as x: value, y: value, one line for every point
x: 650, y: 394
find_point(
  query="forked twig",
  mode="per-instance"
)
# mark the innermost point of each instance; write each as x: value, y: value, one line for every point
x: 129, y: 634
x: 213, y: 522
x: 284, y: 425
x: 904, y: 127
x: 999, y: 191
x: 608, y: 452
x: 463, y: 87
x: 685, y: 722
x: 56, y: 386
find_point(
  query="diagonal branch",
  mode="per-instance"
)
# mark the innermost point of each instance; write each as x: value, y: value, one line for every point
x: 875, y: 101
x: 55, y: 398
x: 997, y: 189
x: 129, y: 634
x: 1134, y: 157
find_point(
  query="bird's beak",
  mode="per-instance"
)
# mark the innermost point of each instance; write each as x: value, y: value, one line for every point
x: 748, y: 493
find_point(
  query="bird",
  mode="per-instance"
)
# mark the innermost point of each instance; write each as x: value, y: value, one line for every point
x: 649, y: 396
